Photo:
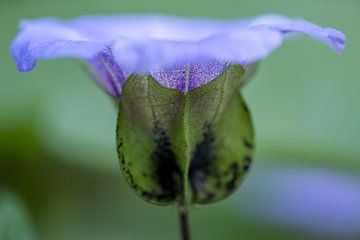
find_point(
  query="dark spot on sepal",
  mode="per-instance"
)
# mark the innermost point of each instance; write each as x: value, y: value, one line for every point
x: 247, y: 163
x: 248, y: 144
x: 120, y: 154
x: 131, y: 180
x: 163, y: 170
x: 126, y: 169
x: 167, y: 172
x: 208, y: 182
x: 245, y: 107
x: 155, y: 196
x: 200, y: 166
x: 236, y: 174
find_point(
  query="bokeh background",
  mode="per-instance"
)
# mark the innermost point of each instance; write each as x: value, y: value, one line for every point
x: 59, y: 175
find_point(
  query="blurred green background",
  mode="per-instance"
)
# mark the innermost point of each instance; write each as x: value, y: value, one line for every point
x: 59, y: 175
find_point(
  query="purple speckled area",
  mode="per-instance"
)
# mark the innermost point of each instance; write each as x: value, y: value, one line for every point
x: 180, y: 53
x: 172, y: 77
x: 202, y: 73
x: 186, y: 77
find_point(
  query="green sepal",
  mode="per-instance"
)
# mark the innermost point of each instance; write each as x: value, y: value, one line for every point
x: 168, y: 141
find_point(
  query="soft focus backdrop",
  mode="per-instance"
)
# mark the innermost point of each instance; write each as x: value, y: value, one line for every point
x: 59, y: 175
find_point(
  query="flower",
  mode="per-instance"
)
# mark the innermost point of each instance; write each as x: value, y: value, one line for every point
x: 200, y: 137
x: 179, y: 53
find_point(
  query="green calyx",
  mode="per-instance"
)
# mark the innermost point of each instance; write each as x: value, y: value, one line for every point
x: 174, y: 146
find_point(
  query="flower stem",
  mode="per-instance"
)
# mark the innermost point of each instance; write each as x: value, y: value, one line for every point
x: 184, y: 222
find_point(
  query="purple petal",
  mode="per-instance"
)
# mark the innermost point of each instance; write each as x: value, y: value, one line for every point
x: 160, y: 45
x: 333, y: 38
x: 108, y: 74
x: 49, y: 39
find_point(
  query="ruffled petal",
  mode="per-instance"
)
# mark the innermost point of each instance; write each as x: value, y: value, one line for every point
x: 167, y: 47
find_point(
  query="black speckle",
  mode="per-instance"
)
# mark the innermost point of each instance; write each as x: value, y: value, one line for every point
x: 245, y: 107
x: 247, y: 144
x: 120, y: 154
x: 209, y: 196
x: 120, y: 143
x: 247, y: 162
x: 122, y: 159
x: 152, y: 195
x: 234, y: 169
x: 131, y: 180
